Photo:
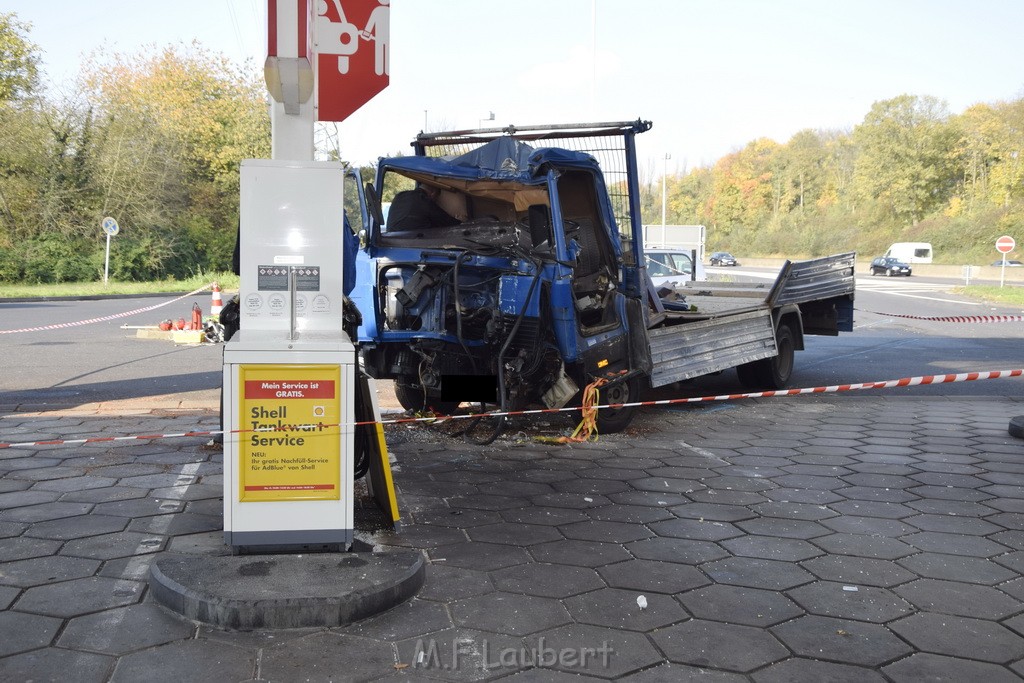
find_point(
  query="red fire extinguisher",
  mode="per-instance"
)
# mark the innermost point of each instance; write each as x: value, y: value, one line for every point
x: 197, y: 317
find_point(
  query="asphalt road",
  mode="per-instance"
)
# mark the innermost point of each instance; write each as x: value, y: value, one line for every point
x: 103, y: 361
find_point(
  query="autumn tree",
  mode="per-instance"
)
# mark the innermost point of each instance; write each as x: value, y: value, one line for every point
x: 906, y: 161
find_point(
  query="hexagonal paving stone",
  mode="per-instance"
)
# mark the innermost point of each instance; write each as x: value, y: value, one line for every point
x: 695, y: 529
x: 104, y: 495
x: 457, y: 519
x: 140, y: 507
x: 72, y: 484
x: 196, y: 660
x: 40, y: 570
x: 619, y: 609
x: 929, y: 667
x: 573, y: 501
x: 871, y: 526
x: 771, y: 548
x: 672, y: 673
x: 21, y: 548
x: 593, y: 650
x: 546, y: 580
x: 713, y: 511
x: 960, y: 637
x: 77, y: 527
x: 481, y: 556
x: 879, y: 547
x: 786, y: 509
x: 451, y: 583
x: 111, y: 546
x: 954, y: 544
x: 957, y: 568
x: 841, y: 640
x: 579, y: 553
x: 177, y: 524
x: 757, y: 573
x: 514, y: 534
x: 861, y: 571
x: 845, y: 601
x: 123, y: 630
x: 461, y: 654
x: 56, y: 664
x: 653, y: 576
x: 509, y: 613
x: 633, y: 514
x: 722, y: 646
x: 803, y: 496
x: 425, y: 536
x: 666, y: 485
x: 678, y: 550
x: 152, y: 481
x: 800, y: 670
x: 80, y: 596
x: 608, y: 532
x: 966, y: 600
x: 410, y: 619
x: 739, y: 605
x: 537, y: 514
x: 952, y: 524
x: 25, y: 632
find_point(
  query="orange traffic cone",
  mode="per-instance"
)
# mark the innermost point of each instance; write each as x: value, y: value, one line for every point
x: 217, y: 304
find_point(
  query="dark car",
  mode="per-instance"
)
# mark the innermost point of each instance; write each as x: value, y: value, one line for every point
x: 1009, y: 264
x: 723, y: 258
x: 889, y: 266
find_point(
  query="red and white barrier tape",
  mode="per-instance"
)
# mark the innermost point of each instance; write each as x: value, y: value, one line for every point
x: 887, y: 384
x: 956, y: 318
x: 107, y: 317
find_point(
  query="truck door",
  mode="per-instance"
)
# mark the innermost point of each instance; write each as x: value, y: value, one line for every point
x: 596, y: 274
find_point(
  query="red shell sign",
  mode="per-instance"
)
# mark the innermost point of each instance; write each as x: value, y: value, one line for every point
x: 352, y: 54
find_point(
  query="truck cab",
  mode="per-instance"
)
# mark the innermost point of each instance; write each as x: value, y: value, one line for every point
x: 524, y: 300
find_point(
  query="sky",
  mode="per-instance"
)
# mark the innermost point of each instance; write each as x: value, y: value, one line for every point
x: 712, y: 75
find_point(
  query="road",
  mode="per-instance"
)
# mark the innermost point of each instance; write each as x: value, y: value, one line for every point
x: 102, y: 361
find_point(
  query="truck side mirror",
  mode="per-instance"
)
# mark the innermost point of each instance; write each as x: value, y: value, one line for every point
x: 373, y: 204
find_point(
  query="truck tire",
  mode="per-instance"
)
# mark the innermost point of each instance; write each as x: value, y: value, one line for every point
x: 771, y: 374
x: 411, y: 398
x: 612, y: 420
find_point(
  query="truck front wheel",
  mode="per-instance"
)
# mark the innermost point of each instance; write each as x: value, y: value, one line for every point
x: 611, y: 420
x: 411, y: 398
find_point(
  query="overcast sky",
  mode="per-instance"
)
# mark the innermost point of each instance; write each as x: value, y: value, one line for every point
x: 711, y: 74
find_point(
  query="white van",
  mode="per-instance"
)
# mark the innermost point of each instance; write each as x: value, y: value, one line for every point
x: 911, y: 252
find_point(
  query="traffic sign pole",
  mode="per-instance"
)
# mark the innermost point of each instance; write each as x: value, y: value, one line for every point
x: 111, y: 228
x: 1004, y: 245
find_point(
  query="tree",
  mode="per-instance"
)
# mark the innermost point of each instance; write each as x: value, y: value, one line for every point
x: 19, y: 60
x: 907, y: 156
x: 176, y: 124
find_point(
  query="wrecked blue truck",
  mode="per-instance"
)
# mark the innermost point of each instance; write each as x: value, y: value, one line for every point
x: 540, y: 288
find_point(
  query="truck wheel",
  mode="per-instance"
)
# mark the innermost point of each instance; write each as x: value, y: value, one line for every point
x: 775, y: 372
x: 611, y: 420
x: 411, y: 398
x: 770, y: 374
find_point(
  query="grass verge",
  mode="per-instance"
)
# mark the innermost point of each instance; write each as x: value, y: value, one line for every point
x: 228, y: 281
x: 1010, y: 295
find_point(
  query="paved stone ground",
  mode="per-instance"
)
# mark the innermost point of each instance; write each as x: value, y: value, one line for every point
x: 843, y: 538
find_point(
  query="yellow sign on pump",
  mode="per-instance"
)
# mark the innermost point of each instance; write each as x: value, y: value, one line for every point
x: 290, y: 444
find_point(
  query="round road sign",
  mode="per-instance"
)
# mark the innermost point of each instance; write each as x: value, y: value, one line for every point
x: 110, y: 226
x: 1005, y: 244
